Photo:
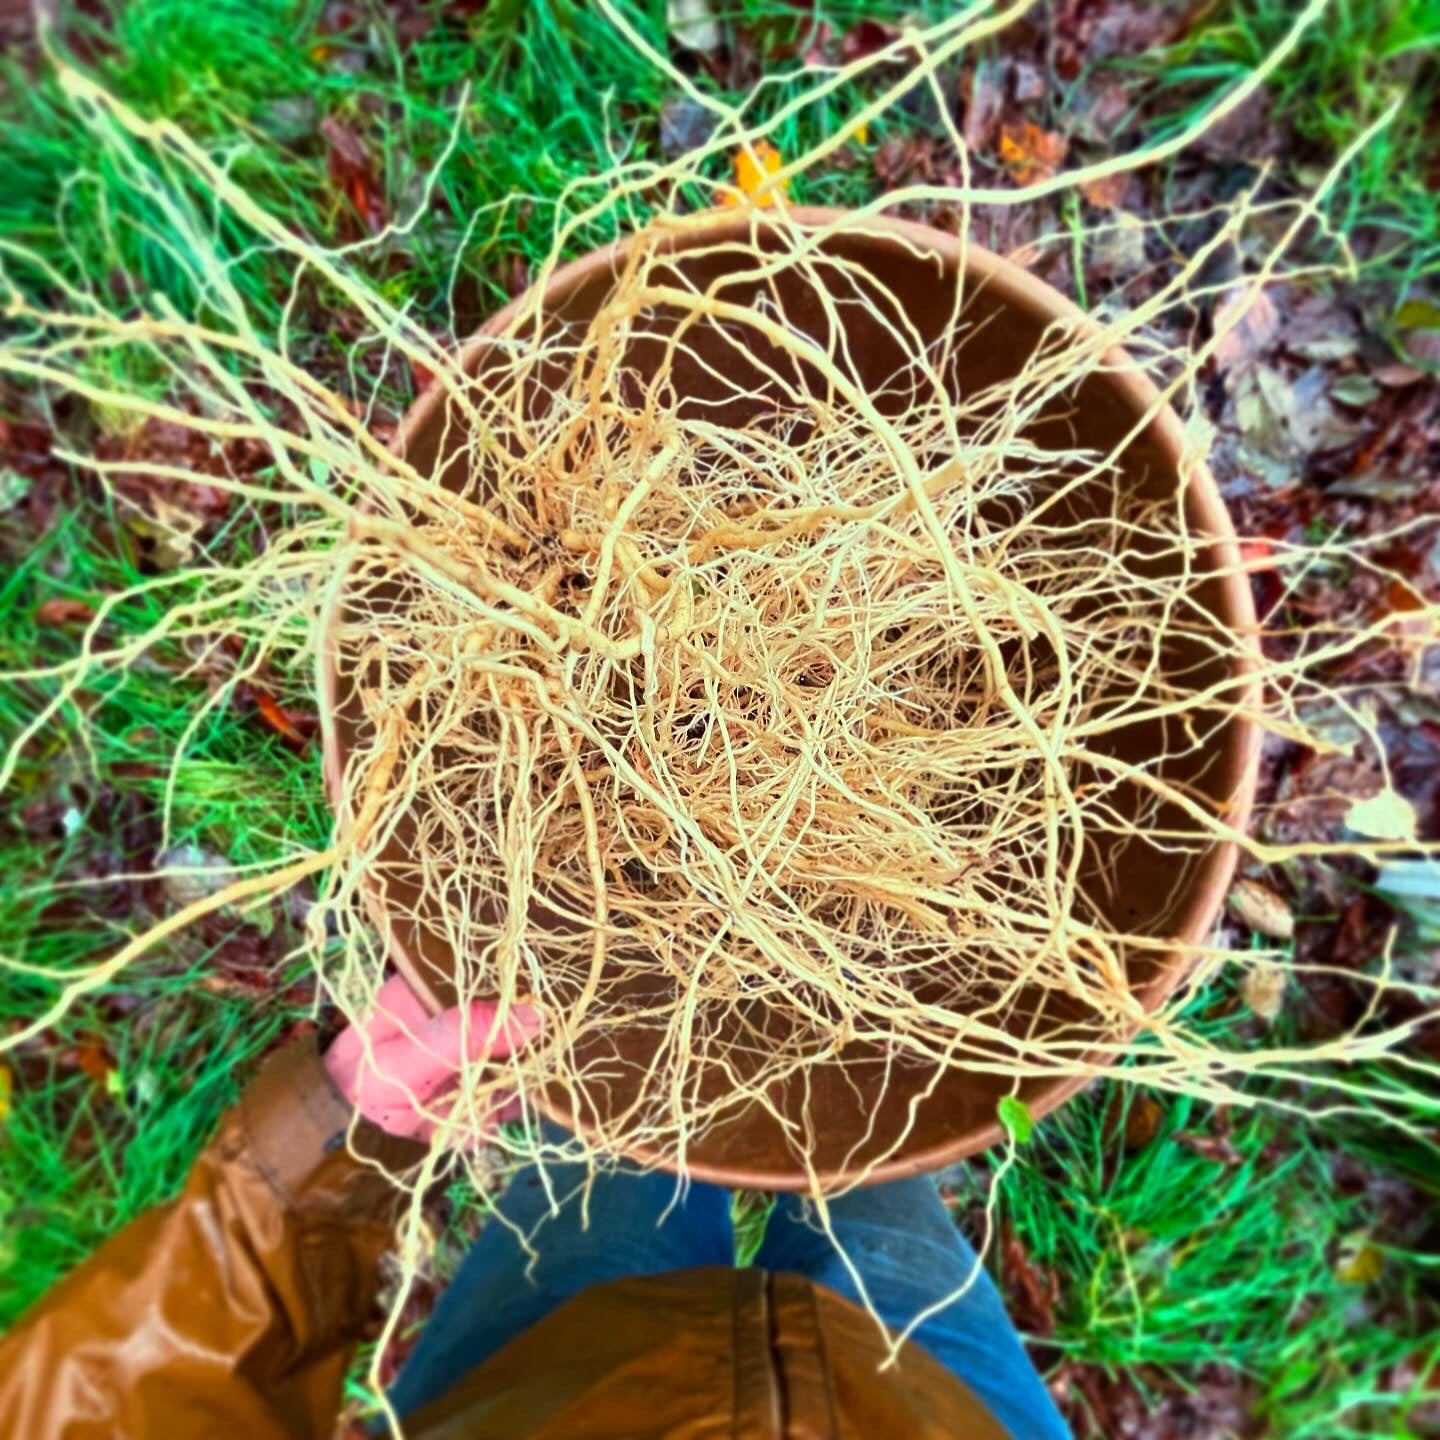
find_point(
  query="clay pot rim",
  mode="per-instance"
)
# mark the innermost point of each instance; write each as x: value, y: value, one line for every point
x: 1018, y: 287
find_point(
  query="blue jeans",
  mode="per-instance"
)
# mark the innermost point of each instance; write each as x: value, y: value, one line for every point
x: 899, y: 1237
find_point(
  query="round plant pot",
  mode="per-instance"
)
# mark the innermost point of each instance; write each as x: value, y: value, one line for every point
x: 1158, y: 895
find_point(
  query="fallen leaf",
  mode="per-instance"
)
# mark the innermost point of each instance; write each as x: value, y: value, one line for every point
x: 14, y: 487
x: 1384, y: 816
x: 1377, y: 487
x: 1402, y: 597
x: 1409, y: 879
x: 169, y: 530
x: 1418, y: 315
x: 1095, y: 115
x: 1028, y: 82
x: 1264, y: 408
x: 1117, y: 248
x: 1259, y: 907
x: 1029, y: 153
x: 1037, y: 1293
x: 685, y: 125
x: 1354, y: 390
x: 1246, y: 321
x: 1420, y: 347
x: 754, y: 165
x: 1108, y: 192
x: 1127, y: 27
x: 1396, y: 375
x: 1314, y: 425
x: 353, y: 175
x: 903, y: 158
x: 1320, y: 323
x: 64, y: 612
x: 693, y: 25
x: 982, y: 91
x: 1136, y: 1116
x: 190, y: 873
x: 1263, y: 989
x: 295, y: 728
x: 91, y: 1057
x: 1359, y: 1262
x: 1218, y: 1148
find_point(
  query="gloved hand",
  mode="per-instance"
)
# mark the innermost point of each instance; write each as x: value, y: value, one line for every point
x: 415, y: 1056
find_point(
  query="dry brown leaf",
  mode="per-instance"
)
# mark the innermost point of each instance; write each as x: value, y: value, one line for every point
x: 1136, y: 1119
x: 1247, y: 321
x: 1218, y: 1148
x: 1108, y: 192
x: 1030, y: 153
x: 91, y: 1057
x: 1263, y: 989
x: 294, y: 727
x: 170, y: 529
x: 1142, y: 1121
x: 1258, y: 906
x: 64, y: 612
x: 983, y: 93
x: 1036, y: 1291
x: 353, y: 174
x: 1396, y: 375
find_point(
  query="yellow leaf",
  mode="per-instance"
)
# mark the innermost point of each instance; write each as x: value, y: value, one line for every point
x: 1418, y: 315
x: 7, y: 1082
x: 1359, y: 1262
x: 862, y: 134
x: 1263, y: 989
x: 754, y: 165
x: 1386, y: 816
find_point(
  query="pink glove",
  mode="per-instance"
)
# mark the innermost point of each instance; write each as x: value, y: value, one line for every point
x: 415, y: 1056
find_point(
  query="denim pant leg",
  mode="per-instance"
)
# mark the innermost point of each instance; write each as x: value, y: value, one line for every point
x: 909, y: 1253
x: 493, y: 1299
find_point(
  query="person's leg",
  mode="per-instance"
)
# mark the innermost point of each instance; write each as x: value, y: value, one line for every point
x: 909, y: 1253
x: 498, y: 1293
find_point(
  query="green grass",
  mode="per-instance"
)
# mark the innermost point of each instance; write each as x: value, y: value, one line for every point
x: 555, y: 96
x: 1167, y: 1259
x: 83, y: 1151
x: 1349, y: 67
x: 1170, y: 1261
x: 81, y: 1158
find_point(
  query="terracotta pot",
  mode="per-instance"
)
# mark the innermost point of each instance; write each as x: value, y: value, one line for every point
x: 1158, y: 895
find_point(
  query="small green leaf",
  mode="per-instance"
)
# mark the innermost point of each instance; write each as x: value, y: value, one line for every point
x: 14, y: 487
x: 1354, y: 390
x: 319, y: 470
x: 1015, y: 1116
x: 1418, y: 315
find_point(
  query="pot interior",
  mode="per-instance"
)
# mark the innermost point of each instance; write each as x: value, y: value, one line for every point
x: 850, y: 1113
